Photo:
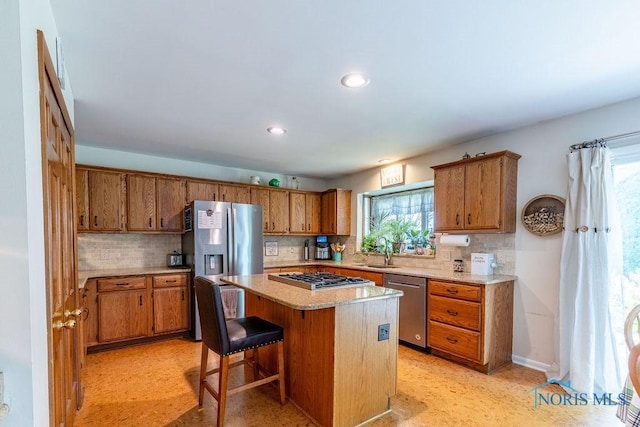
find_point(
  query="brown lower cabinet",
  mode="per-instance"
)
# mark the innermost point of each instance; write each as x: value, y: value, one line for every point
x: 119, y: 309
x: 471, y: 324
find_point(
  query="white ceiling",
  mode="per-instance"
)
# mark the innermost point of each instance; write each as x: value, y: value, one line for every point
x: 202, y: 80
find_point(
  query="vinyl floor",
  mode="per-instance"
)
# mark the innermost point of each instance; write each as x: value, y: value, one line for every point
x: 156, y: 385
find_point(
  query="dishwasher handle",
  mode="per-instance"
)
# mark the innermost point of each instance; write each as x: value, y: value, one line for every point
x: 408, y: 285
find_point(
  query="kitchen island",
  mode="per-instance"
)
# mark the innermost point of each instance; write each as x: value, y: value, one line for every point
x: 337, y: 370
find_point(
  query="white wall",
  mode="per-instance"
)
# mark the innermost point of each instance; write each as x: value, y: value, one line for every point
x: 142, y: 162
x: 541, y: 170
x: 23, y: 333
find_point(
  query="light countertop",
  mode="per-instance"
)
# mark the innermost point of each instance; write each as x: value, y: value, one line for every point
x: 304, y: 299
x: 408, y: 271
x: 84, y: 275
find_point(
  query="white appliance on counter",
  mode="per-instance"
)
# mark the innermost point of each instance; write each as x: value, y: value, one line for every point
x: 482, y: 264
x: 222, y: 239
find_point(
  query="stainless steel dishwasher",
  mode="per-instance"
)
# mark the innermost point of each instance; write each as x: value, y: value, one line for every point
x: 412, y: 324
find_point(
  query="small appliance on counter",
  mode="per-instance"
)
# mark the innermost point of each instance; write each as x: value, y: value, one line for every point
x: 322, y: 248
x: 175, y: 259
x: 482, y: 264
x: 306, y: 249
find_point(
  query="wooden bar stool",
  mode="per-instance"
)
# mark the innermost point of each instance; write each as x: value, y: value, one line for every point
x: 226, y: 337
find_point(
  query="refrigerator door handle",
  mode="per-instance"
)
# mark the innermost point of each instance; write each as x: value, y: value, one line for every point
x: 231, y: 244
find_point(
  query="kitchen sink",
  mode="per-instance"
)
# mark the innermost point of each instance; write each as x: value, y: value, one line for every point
x: 381, y: 266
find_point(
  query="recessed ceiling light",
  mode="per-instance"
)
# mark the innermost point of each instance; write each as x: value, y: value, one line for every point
x: 276, y: 130
x: 354, y: 80
x: 384, y: 161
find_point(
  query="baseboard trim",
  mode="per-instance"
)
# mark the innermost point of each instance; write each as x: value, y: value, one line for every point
x: 533, y: 364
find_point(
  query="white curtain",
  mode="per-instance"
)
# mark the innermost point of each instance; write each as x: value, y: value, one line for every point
x: 585, y: 343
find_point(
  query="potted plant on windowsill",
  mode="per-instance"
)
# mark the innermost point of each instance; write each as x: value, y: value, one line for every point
x: 397, y: 230
x: 419, y: 239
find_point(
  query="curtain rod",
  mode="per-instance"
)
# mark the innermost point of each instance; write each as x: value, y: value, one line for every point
x: 602, y: 141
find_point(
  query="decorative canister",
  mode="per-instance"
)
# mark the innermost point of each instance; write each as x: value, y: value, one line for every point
x: 458, y: 265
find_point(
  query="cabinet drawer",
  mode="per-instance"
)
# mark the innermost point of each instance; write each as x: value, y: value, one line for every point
x: 455, y: 312
x: 455, y: 290
x: 121, y: 283
x: 454, y: 340
x: 169, y: 280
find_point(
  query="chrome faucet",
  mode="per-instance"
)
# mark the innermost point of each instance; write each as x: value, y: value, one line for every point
x: 387, y: 254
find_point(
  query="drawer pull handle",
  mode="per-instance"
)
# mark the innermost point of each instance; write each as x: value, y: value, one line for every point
x: 149, y: 222
x: 452, y: 290
x: 161, y: 223
x: 457, y: 219
x: 182, y: 295
x: 122, y: 284
x: 82, y: 220
x: 95, y: 220
x: 452, y: 340
x: 140, y: 300
x: 170, y: 281
x: 469, y: 219
x: 452, y: 312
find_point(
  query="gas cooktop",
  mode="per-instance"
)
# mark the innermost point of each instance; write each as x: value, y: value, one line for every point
x: 315, y: 281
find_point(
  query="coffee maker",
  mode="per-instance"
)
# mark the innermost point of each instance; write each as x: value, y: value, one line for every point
x: 322, y: 248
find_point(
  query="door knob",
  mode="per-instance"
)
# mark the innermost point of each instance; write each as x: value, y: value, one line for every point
x: 77, y: 312
x: 69, y: 324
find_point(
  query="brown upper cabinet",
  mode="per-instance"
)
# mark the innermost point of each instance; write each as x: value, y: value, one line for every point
x: 477, y: 194
x: 99, y: 200
x: 117, y: 200
x: 154, y: 203
x: 275, y: 206
x: 202, y: 190
x: 304, y: 212
x: 234, y: 193
x: 336, y: 212
x: 312, y: 213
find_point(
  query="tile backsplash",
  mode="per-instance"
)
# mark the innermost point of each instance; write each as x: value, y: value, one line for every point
x: 501, y: 245
x: 106, y: 251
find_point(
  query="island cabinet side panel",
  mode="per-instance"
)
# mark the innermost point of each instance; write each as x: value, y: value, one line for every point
x: 498, y: 323
x: 309, y: 349
x: 366, y: 369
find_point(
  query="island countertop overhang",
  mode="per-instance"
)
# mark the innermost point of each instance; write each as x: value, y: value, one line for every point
x: 304, y: 299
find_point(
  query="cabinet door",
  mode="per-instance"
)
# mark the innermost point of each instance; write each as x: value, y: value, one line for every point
x: 170, y: 204
x: 449, y: 198
x: 482, y: 194
x: 279, y: 211
x: 82, y: 199
x: 336, y: 212
x: 105, y: 200
x: 90, y: 312
x: 260, y: 196
x: 170, y: 309
x: 141, y: 203
x: 122, y: 315
x: 200, y: 190
x: 297, y: 212
x: 234, y: 193
x: 312, y: 213
x: 328, y: 213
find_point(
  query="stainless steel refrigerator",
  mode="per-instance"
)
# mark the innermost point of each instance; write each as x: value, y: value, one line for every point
x: 222, y: 239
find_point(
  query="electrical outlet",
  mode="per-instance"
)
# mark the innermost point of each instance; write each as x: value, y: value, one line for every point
x: 383, y: 332
x: 292, y: 250
x: 500, y: 258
